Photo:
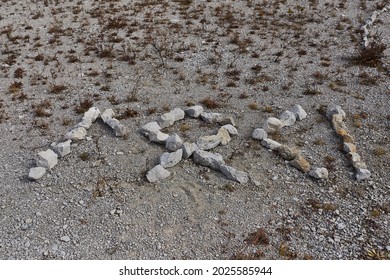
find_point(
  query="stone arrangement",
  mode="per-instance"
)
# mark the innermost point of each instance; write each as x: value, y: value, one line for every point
x: 291, y: 154
x: 336, y: 116
x: 370, y: 22
x: 46, y: 160
x: 199, y: 151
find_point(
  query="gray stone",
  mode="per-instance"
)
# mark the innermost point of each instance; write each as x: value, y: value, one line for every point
x: 288, y: 153
x: 334, y: 109
x: 47, y: 159
x: 211, y: 117
x: 298, y: 111
x: 157, y: 173
x: 120, y: 130
x: 359, y: 165
x: 208, y: 142
x: 355, y: 157
x: 362, y: 174
x: 259, y: 134
x: 89, y: 117
x: 232, y: 130
x: 78, y: 133
x: 270, y: 144
x: 287, y: 118
x: 63, y: 149
x: 166, y: 119
x: 234, y: 174
x: 194, y: 111
x: 171, y: 159
x: 223, y: 133
x: 349, y: 148
x: 107, y: 115
x: 158, y: 137
x: 151, y: 127
x: 319, y: 173
x: 272, y: 125
x: 189, y: 149
x: 227, y: 120
x: 36, y: 173
x: 65, y: 238
x: 173, y: 142
x: 212, y: 160
x: 178, y: 114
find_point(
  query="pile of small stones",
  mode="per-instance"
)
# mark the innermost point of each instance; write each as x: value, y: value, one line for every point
x: 291, y: 154
x: 199, y: 151
x: 336, y: 116
x: 46, y: 160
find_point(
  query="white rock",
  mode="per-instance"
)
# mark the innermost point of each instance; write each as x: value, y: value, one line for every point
x: 173, y: 142
x: 78, y: 133
x: 194, y: 111
x: 107, y: 115
x: 47, y: 159
x: 211, y: 117
x: 157, y: 173
x: 212, y: 160
x: 178, y: 113
x: 272, y: 125
x: 189, y: 149
x: 36, y: 173
x: 234, y: 174
x: 319, y: 173
x: 349, y: 148
x: 166, y: 119
x: 208, y: 142
x: 62, y: 149
x: 334, y: 109
x: 151, y: 127
x: 120, y: 130
x: 270, y: 144
x: 287, y: 118
x: 259, y: 134
x: 362, y: 174
x: 298, y: 111
x: 65, y: 238
x: 226, y: 120
x: 89, y: 117
x: 355, y: 157
x: 232, y: 130
x: 171, y: 159
x: 158, y: 137
x: 223, y: 133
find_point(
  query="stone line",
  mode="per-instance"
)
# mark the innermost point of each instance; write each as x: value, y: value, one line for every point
x: 336, y: 116
x: 369, y: 22
x: 46, y: 160
x: 178, y: 149
x: 291, y: 154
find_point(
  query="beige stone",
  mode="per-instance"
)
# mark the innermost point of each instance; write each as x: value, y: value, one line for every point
x: 288, y: 153
x: 300, y: 163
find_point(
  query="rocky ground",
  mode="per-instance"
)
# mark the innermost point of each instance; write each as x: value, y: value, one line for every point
x: 248, y: 60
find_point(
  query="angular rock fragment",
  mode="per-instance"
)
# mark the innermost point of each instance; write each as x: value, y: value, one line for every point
x: 194, y: 111
x: 319, y: 173
x: 47, y: 159
x: 158, y: 137
x: 107, y: 115
x: 348, y: 139
x: 89, y: 117
x: 349, y: 148
x: 211, y: 117
x: 227, y: 120
x: 171, y: 159
x: 77, y: 134
x: 63, y: 149
x: 223, y: 133
x: 173, y: 142
x: 189, y: 149
x: 300, y: 163
x: 272, y: 125
x: 204, y: 158
x: 362, y: 174
x: 157, y: 173
x: 298, y: 111
x: 270, y: 144
x: 287, y: 118
x: 119, y: 129
x: 166, y: 119
x: 151, y: 127
x: 334, y: 109
x: 208, y: 142
x: 178, y: 114
x: 259, y: 134
x: 234, y: 174
x: 288, y: 153
x: 232, y: 130
x: 36, y: 173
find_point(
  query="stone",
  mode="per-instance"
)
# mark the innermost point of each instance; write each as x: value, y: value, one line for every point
x: 65, y: 238
x: 166, y: 119
x: 334, y: 109
x: 223, y: 133
x: 348, y: 139
x: 77, y: 134
x: 173, y: 142
x: 158, y: 137
x: 341, y: 131
x: 300, y: 163
x: 178, y: 114
x: 272, y: 125
x: 298, y: 111
x: 211, y: 117
x: 227, y: 120
x: 355, y: 157
x: 362, y: 174
x: 47, y: 159
x: 63, y: 149
x: 89, y: 117
x: 194, y: 111
x: 157, y: 173
x: 208, y: 142
x: 36, y: 173
x: 359, y: 165
x: 231, y: 129
x: 319, y: 173
x: 151, y: 127
x: 212, y: 160
x: 287, y: 118
x: 120, y: 130
x: 259, y: 134
x: 338, y: 122
x: 349, y: 148
x: 270, y: 144
x: 107, y: 115
x: 188, y: 149
x: 288, y: 153
x: 171, y: 159
x: 234, y: 174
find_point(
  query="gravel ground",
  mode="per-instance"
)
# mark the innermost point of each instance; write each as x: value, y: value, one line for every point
x: 249, y: 60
